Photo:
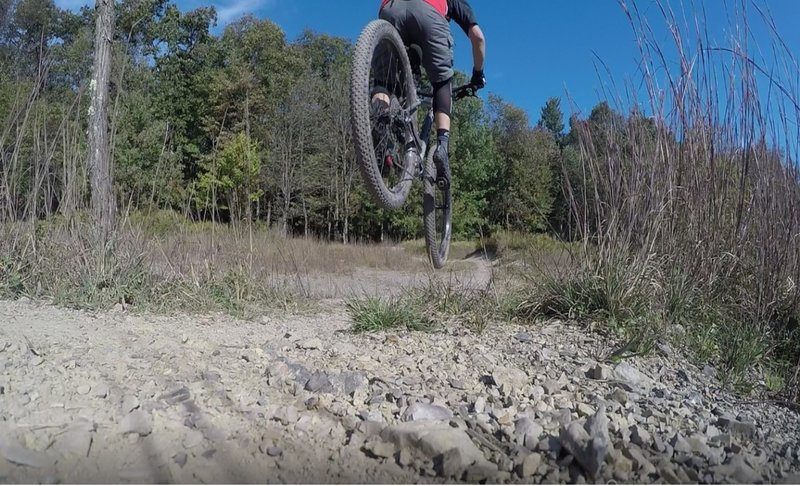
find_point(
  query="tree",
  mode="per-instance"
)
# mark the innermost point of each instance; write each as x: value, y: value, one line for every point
x: 103, y: 203
x: 552, y: 119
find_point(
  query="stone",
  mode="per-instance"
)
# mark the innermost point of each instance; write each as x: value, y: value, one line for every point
x: 640, y: 436
x: 551, y: 387
x: 523, y: 337
x: 379, y: 448
x: 176, y: 396
x: 599, y: 372
x: 17, y: 454
x: 590, y: 455
x: 136, y: 422
x: 627, y: 373
x: 620, y: 396
x: 180, y: 458
x: 509, y: 377
x: 453, y: 463
x: 668, y: 474
x: 424, y: 411
x: 457, y: 384
x: 679, y: 444
x: 318, y: 382
x: 585, y: 410
x: 192, y: 439
x: 481, y: 471
x: 83, y: 389
x: 73, y: 443
x: 310, y: 344
x: 100, y: 391
x: 130, y: 403
x: 639, y: 461
x: 527, y: 432
x: 739, y: 470
x: 529, y: 465
x: 286, y: 415
x: 432, y: 439
x: 480, y: 405
x: 370, y: 428
x: 621, y: 466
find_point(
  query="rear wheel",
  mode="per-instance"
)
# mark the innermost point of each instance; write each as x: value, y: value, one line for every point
x: 380, y: 63
x: 437, y: 210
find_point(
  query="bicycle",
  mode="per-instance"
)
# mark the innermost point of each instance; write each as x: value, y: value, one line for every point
x: 381, y: 59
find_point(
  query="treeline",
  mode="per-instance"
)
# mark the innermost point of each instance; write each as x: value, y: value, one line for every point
x: 244, y: 125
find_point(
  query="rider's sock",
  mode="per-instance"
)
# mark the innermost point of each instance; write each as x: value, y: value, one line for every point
x: 443, y: 137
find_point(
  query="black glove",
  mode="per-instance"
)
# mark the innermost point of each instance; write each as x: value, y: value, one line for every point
x: 478, y: 80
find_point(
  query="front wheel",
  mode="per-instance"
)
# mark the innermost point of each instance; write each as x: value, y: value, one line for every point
x: 380, y: 64
x: 437, y: 210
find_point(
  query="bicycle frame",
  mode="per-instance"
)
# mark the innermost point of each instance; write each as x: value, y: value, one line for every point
x: 422, y: 138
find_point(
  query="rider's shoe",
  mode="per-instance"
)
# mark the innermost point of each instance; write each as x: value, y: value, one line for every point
x: 442, y: 161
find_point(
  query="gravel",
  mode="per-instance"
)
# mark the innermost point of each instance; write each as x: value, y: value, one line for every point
x: 115, y: 397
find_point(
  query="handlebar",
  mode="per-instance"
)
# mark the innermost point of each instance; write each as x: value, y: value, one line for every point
x: 460, y: 92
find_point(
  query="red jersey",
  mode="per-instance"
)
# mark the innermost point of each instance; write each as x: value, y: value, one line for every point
x: 439, y: 5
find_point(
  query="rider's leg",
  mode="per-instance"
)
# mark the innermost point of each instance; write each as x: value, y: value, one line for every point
x: 442, y: 106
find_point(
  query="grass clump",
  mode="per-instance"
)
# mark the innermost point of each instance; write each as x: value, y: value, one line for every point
x: 374, y: 314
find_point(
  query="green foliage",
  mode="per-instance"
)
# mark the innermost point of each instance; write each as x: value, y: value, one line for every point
x: 231, y: 176
x: 374, y: 314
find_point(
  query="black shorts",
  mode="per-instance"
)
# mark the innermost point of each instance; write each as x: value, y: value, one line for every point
x: 420, y: 24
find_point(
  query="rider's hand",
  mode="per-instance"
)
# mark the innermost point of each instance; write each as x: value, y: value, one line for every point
x: 478, y: 80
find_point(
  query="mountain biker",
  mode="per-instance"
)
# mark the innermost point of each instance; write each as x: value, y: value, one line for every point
x: 425, y: 23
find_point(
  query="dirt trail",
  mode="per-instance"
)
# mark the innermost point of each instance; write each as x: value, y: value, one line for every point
x: 115, y: 397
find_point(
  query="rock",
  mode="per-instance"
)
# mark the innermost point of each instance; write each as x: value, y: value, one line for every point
x: 453, y: 463
x: 668, y: 474
x: 457, y: 384
x: 523, y: 337
x: 480, y: 404
x: 627, y: 373
x: 309, y: 344
x: 424, y: 411
x: 481, y: 471
x: 551, y: 387
x: 318, y: 382
x: 130, y: 403
x: 192, y: 439
x: 597, y: 428
x: 679, y: 444
x: 621, y: 466
x: 13, y: 452
x: 744, y: 430
x: 136, y: 422
x: 640, y: 436
x: 370, y: 428
x: 180, y: 458
x: 176, y: 396
x: 286, y: 415
x: 509, y: 377
x: 639, y: 461
x: 74, y: 443
x: 379, y: 448
x: 527, y: 432
x: 585, y: 410
x: 620, y: 396
x: 100, y: 391
x: 738, y: 470
x: 575, y: 439
x: 529, y: 465
x: 599, y: 372
x: 709, y: 371
x: 83, y: 389
x: 433, y: 439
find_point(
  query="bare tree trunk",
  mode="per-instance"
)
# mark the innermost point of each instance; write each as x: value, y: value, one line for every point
x: 103, y: 204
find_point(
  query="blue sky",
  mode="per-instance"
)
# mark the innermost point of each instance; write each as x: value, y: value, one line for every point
x: 536, y: 49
